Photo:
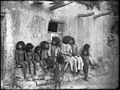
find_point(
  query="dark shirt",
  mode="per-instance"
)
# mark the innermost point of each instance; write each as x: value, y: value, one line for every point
x: 58, y: 72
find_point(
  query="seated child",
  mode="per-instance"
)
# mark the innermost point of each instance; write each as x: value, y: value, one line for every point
x: 20, y: 57
x: 66, y: 51
x: 76, y: 55
x: 38, y: 59
x: 45, y: 55
x: 30, y: 57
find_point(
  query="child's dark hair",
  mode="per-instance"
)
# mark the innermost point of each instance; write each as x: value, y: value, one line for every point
x: 20, y: 43
x: 73, y: 40
x: 86, y: 46
x: 66, y: 39
x: 60, y: 59
x: 29, y: 46
x: 57, y: 40
x: 37, y: 48
x: 42, y: 45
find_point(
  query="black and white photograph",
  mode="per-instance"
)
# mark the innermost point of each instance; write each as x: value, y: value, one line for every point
x: 60, y: 44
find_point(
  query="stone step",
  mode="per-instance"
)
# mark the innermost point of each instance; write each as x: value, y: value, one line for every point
x: 40, y: 82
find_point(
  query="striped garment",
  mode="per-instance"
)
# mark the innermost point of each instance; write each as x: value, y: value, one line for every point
x: 66, y: 49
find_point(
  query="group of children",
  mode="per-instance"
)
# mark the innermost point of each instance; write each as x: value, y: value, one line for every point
x: 57, y: 55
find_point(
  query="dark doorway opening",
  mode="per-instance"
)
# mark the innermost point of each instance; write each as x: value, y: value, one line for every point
x: 52, y: 26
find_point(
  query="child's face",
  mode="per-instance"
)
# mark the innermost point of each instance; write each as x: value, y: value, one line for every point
x: 19, y: 46
x: 38, y: 51
x: 71, y: 42
x: 54, y: 42
x: 31, y: 50
x: 47, y: 45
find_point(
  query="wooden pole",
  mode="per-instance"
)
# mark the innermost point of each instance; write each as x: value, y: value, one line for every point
x: 86, y: 15
x: 102, y: 14
x: 58, y: 21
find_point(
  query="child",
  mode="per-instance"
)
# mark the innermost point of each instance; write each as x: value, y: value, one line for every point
x: 30, y: 57
x: 66, y: 51
x: 45, y: 54
x: 79, y: 61
x: 55, y: 47
x: 59, y: 71
x: 20, y: 57
x: 37, y: 58
x: 85, y: 56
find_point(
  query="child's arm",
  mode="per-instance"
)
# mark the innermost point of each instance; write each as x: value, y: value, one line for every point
x: 26, y: 56
x: 16, y: 58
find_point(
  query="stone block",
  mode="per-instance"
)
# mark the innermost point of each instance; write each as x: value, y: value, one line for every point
x: 19, y: 73
x: 40, y: 82
x: 68, y: 77
x: 27, y: 84
x: 47, y: 77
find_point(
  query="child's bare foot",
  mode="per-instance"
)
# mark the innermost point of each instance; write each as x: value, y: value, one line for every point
x: 25, y: 78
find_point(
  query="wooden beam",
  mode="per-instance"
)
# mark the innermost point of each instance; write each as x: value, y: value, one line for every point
x: 86, y: 15
x: 58, y: 21
x: 102, y: 14
x: 56, y: 6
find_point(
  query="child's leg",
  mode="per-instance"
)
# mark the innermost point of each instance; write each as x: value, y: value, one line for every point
x: 45, y: 64
x: 34, y: 65
x: 41, y: 63
x: 80, y: 63
x: 29, y: 64
x: 55, y: 85
x: 75, y: 64
x: 24, y: 68
x: 85, y: 69
x: 59, y: 85
x: 71, y: 63
x: 66, y: 66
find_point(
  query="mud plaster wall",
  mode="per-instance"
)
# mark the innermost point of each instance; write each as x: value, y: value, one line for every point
x: 22, y: 24
x: 31, y: 25
x: 86, y: 29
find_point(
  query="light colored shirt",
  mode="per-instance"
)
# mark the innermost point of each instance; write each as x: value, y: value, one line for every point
x: 66, y: 49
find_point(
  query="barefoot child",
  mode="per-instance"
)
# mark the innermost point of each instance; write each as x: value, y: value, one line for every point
x: 59, y: 71
x: 37, y: 58
x: 30, y: 57
x: 76, y: 55
x: 45, y: 54
x: 20, y: 57
x: 85, y: 56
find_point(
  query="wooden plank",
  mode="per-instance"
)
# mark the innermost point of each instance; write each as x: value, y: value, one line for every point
x: 102, y: 14
x: 56, y: 6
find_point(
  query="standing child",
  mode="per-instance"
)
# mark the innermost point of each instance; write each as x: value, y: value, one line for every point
x: 59, y: 71
x: 30, y: 57
x: 85, y: 56
x: 20, y: 57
